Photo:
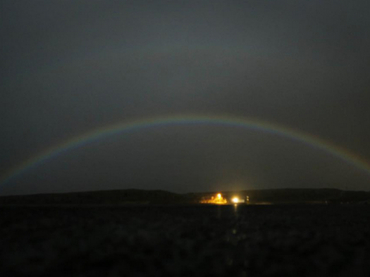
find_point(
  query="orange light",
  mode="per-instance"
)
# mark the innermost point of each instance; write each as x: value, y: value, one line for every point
x: 217, y: 199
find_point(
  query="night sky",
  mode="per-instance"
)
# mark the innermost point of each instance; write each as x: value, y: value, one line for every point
x: 70, y: 67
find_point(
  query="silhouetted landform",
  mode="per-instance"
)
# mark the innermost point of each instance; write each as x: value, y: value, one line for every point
x: 104, y: 197
x: 303, y: 196
x: 136, y: 196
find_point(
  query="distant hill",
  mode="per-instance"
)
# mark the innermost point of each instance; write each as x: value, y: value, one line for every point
x: 104, y: 197
x: 136, y: 196
x: 309, y: 196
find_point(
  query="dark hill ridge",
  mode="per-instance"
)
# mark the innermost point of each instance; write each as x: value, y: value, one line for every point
x: 275, y: 196
x: 104, y: 197
x: 136, y: 196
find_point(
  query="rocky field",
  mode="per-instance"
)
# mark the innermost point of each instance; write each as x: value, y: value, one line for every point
x: 194, y: 240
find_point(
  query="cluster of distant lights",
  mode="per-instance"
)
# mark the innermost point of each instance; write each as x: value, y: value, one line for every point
x: 235, y: 199
x: 220, y: 200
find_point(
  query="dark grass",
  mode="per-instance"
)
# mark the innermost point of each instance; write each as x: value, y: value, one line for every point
x: 193, y: 240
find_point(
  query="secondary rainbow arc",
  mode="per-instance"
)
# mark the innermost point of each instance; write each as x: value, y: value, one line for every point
x: 237, y: 122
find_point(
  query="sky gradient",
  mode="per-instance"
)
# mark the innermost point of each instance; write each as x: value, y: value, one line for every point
x: 71, y: 67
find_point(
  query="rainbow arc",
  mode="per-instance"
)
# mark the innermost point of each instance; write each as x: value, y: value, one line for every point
x: 221, y: 121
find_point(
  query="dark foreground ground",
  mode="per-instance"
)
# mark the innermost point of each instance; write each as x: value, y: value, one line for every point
x: 185, y: 241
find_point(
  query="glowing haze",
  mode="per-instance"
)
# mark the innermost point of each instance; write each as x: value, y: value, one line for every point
x: 237, y: 73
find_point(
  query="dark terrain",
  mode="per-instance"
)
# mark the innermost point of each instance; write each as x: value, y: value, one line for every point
x: 187, y: 240
x: 137, y: 196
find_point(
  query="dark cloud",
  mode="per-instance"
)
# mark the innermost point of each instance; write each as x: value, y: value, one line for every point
x: 71, y: 67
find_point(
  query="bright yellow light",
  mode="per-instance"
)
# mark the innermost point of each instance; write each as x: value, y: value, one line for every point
x: 235, y: 200
x: 219, y: 196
